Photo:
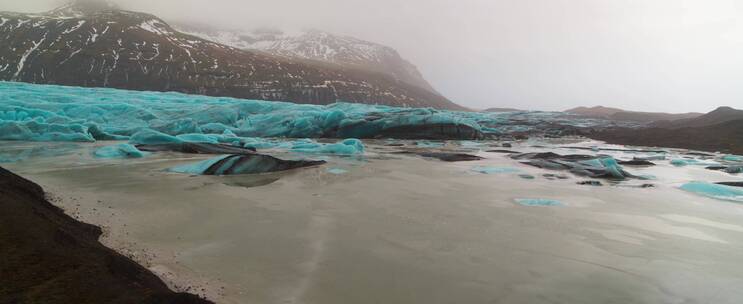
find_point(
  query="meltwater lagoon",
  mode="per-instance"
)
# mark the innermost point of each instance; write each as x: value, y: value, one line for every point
x: 515, y: 211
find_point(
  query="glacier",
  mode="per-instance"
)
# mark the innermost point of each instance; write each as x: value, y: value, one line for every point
x: 33, y: 112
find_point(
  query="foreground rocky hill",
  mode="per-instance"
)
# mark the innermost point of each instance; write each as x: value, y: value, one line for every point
x: 48, y: 257
x: 101, y: 46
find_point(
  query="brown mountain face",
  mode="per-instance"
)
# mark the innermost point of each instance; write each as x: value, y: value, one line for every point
x: 718, y: 116
x: 80, y: 45
x: 719, y: 130
x: 622, y: 115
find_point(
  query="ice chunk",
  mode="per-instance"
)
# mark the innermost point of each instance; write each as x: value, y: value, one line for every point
x: 151, y: 137
x: 119, y: 151
x: 682, y: 162
x: 494, y: 170
x: 715, y: 191
x: 537, y: 202
x: 337, y: 171
x: 346, y: 147
x: 243, y: 164
x: 733, y: 158
x: 429, y: 144
x: 198, y: 168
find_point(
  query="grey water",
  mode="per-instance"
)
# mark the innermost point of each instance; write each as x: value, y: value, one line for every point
x: 391, y: 228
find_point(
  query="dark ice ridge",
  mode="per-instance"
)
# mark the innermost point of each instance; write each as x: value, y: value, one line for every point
x: 582, y: 165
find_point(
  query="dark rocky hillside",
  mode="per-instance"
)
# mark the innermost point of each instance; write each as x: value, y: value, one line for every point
x: 724, y: 137
x: 48, y: 257
x: 101, y: 46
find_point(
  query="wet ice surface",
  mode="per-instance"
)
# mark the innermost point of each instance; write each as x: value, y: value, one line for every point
x: 399, y: 228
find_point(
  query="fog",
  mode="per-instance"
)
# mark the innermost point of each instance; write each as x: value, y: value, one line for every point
x: 650, y: 55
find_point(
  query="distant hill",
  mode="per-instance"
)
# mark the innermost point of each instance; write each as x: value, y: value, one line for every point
x: 502, y: 110
x: 596, y: 112
x: 622, y: 115
x: 720, y: 115
x: 720, y: 130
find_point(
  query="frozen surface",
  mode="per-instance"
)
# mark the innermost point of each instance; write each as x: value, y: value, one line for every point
x: 53, y: 113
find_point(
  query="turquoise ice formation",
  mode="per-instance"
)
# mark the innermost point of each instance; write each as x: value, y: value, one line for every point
x: 494, y: 170
x: 199, y: 167
x: 733, y: 158
x: 119, y: 151
x: 717, y: 191
x: 537, y: 202
x: 682, y: 162
x: 243, y: 164
x: 346, y: 147
x: 56, y: 113
x: 337, y: 171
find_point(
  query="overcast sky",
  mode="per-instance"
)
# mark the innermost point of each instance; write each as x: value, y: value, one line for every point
x: 651, y: 55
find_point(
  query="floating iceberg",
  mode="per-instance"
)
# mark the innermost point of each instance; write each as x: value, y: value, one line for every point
x: 733, y: 158
x: 337, y: 171
x: 56, y: 113
x: 494, y: 170
x: 582, y: 165
x: 682, y: 162
x: 119, y: 151
x: 346, y: 147
x: 537, y: 202
x: 243, y: 164
x: 715, y: 191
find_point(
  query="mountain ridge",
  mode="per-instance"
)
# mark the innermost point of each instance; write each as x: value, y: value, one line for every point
x: 314, y: 44
x: 108, y: 47
x: 617, y: 114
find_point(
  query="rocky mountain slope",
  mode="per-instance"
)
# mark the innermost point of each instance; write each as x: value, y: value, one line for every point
x: 49, y: 257
x: 316, y: 45
x: 719, y: 130
x: 100, y: 46
x: 622, y: 115
x: 718, y: 116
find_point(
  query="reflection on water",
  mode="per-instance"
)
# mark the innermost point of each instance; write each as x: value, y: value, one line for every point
x: 406, y: 229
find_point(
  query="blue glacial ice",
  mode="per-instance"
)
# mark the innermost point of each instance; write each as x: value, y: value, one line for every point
x: 537, y: 202
x: 717, y: 191
x: 346, y: 147
x: 55, y: 113
x: 682, y: 162
x: 337, y: 171
x: 243, y: 164
x: 119, y: 151
x: 494, y: 170
x: 733, y: 158
x: 199, y: 167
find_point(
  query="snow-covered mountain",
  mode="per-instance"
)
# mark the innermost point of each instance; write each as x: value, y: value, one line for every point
x: 316, y: 45
x: 94, y: 44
